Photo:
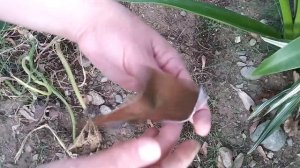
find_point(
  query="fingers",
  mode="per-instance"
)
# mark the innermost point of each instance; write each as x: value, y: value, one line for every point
x: 151, y: 132
x: 202, y: 122
x: 168, y: 58
x: 168, y: 136
x: 182, y: 156
x: 135, y: 153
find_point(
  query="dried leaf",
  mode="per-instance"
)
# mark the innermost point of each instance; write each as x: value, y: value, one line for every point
x: 203, y: 149
x: 296, y: 76
x: 89, y: 138
x: 291, y: 126
x: 238, y: 161
x: 164, y: 98
x: 262, y: 153
x: 253, y: 126
x: 246, y: 99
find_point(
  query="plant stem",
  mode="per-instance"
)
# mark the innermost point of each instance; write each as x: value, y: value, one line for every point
x: 70, y: 74
x: 286, y: 19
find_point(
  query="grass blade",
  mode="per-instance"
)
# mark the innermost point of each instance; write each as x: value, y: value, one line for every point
x: 285, y: 59
x: 286, y: 19
x: 219, y: 14
x: 283, y: 113
x: 3, y: 25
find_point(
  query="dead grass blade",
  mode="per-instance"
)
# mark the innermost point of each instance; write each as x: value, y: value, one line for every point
x: 36, y: 129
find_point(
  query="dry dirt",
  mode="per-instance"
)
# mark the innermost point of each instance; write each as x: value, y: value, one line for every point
x: 194, y: 38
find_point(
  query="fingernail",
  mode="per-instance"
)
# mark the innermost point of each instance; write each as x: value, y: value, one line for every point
x: 149, y: 152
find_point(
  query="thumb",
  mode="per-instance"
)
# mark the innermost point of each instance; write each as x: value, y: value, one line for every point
x: 135, y: 153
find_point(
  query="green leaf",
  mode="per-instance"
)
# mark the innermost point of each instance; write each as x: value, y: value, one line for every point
x: 287, y: 18
x: 285, y: 59
x: 283, y: 113
x: 3, y: 25
x: 297, y: 19
x: 294, y: 90
x: 266, y: 104
x: 219, y: 14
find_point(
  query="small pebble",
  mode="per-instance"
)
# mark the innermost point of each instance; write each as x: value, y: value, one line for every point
x: 104, y: 79
x: 35, y: 157
x: 240, y: 86
x: 252, y: 42
x: 241, y: 64
x: 237, y: 39
x: 270, y: 155
x: 241, y: 53
x: 243, y: 58
x: 96, y: 98
x: 105, y: 110
x: 250, y: 63
x: 67, y: 93
x: 183, y: 13
x: 28, y: 149
x: 246, y: 72
x: 252, y: 164
x: 290, y: 142
x: 119, y: 99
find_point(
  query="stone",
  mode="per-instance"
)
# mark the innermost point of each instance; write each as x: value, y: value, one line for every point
x: 252, y: 164
x: 241, y: 64
x: 35, y: 157
x: 252, y: 42
x: 243, y: 58
x: 246, y: 72
x: 226, y: 157
x: 96, y: 99
x: 274, y: 142
x: 290, y: 142
x: 241, y: 53
x: 119, y: 99
x: 104, y: 79
x: 270, y: 155
x: 250, y: 63
x: 105, y: 110
x: 237, y: 39
x: 183, y: 13
x: 28, y: 149
x: 240, y: 86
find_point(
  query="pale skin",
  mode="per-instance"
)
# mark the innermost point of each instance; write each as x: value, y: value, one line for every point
x: 120, y: 45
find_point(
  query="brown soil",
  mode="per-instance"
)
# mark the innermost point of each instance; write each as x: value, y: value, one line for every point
x: 194, y: 38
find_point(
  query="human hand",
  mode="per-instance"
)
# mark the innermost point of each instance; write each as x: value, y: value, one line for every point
x: 153, y: 149
x: 121, y: 46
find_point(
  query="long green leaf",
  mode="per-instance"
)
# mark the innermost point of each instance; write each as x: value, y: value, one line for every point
x: 294, y: 90
x: 297, y: 20
x: 285, y: 59
x: 264, y: 105
x: 284, y: 112
x: 287, y: 19
x: 219, y: 14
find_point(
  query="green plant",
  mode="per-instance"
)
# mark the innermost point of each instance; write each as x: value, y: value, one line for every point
x: 287, y: 58
x: 36, y: 81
